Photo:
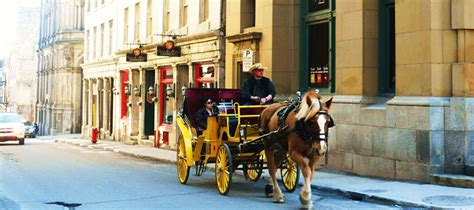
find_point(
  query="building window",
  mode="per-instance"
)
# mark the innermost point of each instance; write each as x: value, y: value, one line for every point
x: 166, y: 95
x: 149, y: 19
x: 88, y: 2
x: 137, y: 22
x: 102, y: 2
x: 183, y: 20
x: 88, y: 45
x: 205, y: 74
x: 319, y: 5
x: 94, y: 43
x: 125, y: 25
x: 386, y: 67
x: 102, y: 42
x: 203, y: 10
x: 248, y: 13
x: 111, y: 35
x: 319, y: 63
x: 166, y: 14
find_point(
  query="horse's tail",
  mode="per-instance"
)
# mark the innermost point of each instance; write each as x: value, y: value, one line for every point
x: 266, y: 115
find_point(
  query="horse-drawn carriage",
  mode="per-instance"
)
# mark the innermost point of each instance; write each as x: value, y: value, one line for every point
x: 232, y: 140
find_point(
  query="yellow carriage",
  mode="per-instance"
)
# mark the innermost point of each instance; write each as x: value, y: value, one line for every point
x: 231, y: 141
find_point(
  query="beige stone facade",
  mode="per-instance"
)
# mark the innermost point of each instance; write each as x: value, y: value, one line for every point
x: 400, y: 72
x: 425, y: 128
x: 260, y: 27
x: 59, y: 76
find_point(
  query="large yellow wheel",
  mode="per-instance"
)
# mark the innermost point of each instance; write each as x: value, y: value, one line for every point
x: 253, y: 170
x: 290, y: 174
x: 224, y: 169
x: 182, y: 165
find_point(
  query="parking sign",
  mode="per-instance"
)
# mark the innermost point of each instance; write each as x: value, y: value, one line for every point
x: 247, y: 60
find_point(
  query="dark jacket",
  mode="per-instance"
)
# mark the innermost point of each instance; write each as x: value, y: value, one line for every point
x: 261, y: 89
x: 201, y: 119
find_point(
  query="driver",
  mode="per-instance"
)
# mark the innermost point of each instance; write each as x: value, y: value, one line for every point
x: 258, y: 89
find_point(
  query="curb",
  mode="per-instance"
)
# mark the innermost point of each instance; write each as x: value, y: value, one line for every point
x: 353, y: 195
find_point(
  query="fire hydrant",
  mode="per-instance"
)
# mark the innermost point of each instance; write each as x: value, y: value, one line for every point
x: 95, y: 133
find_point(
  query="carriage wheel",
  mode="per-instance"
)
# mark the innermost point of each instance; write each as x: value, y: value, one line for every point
x: 253, y: 169
x: 223, y: 169
x: 182, y: 165
x: 290, y: 174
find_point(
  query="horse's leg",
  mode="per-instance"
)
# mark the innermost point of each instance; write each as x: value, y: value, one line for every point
x: 277, y: 194
x: 305, y: 195
x: 313, y: 163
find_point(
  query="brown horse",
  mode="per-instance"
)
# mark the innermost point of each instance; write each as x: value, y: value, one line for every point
x: 304, y: 139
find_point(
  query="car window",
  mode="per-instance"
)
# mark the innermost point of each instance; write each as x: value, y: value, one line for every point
x: 9, y: 118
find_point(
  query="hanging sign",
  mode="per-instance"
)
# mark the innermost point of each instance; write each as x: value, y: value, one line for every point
x: 136, y: 56
x: 168, y: 49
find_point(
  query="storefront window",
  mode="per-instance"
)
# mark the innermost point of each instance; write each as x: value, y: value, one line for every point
x: 205, y: 74
x: 167, y: 95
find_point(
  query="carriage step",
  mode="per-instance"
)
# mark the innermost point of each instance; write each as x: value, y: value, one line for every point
x: 458, y: 180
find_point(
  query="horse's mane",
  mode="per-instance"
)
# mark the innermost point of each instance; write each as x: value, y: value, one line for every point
x: 309, y: 106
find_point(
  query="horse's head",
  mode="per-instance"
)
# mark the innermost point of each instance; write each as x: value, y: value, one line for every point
x: 316, y: 119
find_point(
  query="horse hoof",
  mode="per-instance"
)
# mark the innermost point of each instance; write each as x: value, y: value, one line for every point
x: 307, y: 206
x: 269, y: 190
x: 305, y: 201
x: 279, y: 200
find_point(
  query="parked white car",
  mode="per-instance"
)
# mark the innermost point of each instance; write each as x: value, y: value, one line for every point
x: 11, y: 128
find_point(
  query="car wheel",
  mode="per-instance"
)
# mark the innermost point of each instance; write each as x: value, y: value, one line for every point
x: 22, y: 141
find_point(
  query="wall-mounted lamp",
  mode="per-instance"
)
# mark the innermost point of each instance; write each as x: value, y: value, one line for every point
x: 137, y: 90
x: 169, y: 91
x: 183, y: 90
x: 115, y: 91
x: 151, y: 90
x: 151, y: 95
x: 127, y: 90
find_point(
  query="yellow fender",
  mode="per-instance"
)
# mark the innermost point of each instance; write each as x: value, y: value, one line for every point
x: 187, y: 137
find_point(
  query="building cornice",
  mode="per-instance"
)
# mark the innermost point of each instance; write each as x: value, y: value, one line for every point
x: 244, y: 37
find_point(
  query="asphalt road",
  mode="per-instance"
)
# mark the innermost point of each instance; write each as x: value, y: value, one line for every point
x: 45, y: 175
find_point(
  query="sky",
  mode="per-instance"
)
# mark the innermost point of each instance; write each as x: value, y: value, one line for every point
x: 8, y: 22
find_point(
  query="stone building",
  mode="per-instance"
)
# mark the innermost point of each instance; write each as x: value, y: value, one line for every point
x: 400, y: 73
x: 59, y: 75
x: 177, y: 43
x: 20, y: 68
x: 99, y: 68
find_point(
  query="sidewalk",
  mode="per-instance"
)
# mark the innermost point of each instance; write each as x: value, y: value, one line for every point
x: 355, y: 187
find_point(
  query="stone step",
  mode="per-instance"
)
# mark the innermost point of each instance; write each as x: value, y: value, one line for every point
x: 146, y: 142
x: 457, y: 180
x: 132, y: 141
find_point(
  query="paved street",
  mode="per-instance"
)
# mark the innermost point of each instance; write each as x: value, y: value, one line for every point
x: 42, y: 172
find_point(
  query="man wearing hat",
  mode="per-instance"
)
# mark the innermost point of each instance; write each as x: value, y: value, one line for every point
x: 258, y: 89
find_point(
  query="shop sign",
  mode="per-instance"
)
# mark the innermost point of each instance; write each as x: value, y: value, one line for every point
x: 247, y: 60
x: 136, y: 56
x: 168, y: 49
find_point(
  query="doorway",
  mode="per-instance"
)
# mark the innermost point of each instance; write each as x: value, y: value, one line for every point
x: 149, y: 122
